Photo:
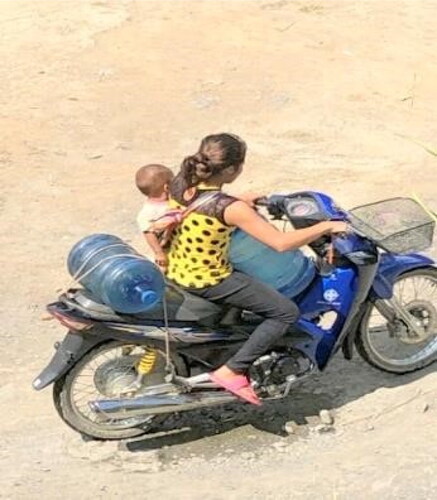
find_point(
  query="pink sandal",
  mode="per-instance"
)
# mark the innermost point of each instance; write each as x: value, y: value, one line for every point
x: 238, y: 385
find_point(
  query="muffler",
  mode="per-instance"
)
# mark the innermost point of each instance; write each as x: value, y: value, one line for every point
x: 121, y: 408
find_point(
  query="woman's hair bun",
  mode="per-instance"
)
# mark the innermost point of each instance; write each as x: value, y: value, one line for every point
x: 196, y: 168
x: 204, y: 169
x: 216, y: 153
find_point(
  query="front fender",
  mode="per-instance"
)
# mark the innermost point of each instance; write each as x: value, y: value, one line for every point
x: 391, y: 266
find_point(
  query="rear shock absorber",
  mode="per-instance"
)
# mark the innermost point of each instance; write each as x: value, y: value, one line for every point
x: 144, y: 366
x: 147, y: 361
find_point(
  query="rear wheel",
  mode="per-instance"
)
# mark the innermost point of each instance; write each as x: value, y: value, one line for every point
x: 392, y: 346
x: 108, y: 371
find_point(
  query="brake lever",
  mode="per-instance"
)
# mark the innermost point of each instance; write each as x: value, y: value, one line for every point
x: 330, y: 253
x: 330, y: 250
x: 270, y: 205
x: 261, y: 202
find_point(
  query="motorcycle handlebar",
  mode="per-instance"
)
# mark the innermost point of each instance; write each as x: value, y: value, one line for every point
x: 274, y: 203
x: 262, y: 202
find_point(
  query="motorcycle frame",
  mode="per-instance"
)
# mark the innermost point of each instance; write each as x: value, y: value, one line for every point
x: 363, y: 275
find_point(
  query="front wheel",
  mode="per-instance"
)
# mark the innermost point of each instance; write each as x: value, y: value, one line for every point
x: 108, y: 371
x: 391, y: 345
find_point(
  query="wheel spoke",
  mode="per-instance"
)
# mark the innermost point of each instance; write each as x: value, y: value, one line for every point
x: 85, y: 396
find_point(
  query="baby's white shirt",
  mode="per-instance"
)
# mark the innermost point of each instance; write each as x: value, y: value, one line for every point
x: 151, y: 211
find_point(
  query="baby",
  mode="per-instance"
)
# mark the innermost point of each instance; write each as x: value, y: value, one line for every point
x: 153, y: 181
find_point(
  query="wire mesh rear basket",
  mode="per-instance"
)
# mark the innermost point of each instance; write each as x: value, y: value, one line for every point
x: 398, y: 225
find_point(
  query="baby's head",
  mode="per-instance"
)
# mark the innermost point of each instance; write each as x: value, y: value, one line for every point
x: 153, y: 180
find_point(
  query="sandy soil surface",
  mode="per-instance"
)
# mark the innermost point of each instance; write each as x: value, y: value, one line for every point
x: 337, y: 96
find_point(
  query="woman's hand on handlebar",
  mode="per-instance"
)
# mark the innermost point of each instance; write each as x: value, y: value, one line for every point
x: 337, y: 227
x: 250, y: 198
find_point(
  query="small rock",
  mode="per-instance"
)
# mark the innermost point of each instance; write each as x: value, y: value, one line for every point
x: 101, y: 454
x: 280, y: 446
x: 140, y: 462
x: 324, y: 429
x: 94, y: 451
x: 289, y: 428
x: 365, y: 426
x: 205, y: 100
x: 326, y: 417
x: 105, y: 73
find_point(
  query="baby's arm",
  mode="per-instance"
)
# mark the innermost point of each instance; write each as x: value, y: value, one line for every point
x: 160, y: 256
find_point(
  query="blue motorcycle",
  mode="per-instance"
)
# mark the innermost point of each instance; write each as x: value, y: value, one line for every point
x: 114, y: 374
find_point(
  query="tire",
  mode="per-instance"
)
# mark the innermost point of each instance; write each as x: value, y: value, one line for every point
x: 75, y: 417
x: 426, y: 348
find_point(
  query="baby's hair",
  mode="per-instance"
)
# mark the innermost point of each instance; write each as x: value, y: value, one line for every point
x: 216, y: 152
x: 151, y: 179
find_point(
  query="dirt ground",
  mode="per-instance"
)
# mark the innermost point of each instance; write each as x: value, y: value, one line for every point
x: 337, y: 96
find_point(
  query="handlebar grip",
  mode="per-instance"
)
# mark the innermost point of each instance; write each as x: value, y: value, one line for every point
x: 261, y: 202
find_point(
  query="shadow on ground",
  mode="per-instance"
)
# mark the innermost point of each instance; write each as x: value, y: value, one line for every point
x: 341, y: 383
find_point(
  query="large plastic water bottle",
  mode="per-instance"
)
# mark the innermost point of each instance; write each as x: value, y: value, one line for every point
x: 116, y: 274
x: 288, y: 272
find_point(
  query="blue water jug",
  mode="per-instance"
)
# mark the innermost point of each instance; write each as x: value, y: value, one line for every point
x: 288, y: 272
x: 116, y: 274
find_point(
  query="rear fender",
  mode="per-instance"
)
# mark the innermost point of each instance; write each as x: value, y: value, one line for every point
x: 77, y: 343
x: 391, y: 267
x: 73, y: 347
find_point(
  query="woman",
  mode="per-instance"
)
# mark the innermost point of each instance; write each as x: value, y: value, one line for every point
x: 199, y: 253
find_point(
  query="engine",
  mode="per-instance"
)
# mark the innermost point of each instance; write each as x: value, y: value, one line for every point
x: 274, y: 372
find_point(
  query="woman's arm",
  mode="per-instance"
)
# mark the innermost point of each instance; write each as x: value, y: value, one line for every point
x: 246, y: 218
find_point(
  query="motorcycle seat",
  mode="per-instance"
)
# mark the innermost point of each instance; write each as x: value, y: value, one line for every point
x: 182, y: 306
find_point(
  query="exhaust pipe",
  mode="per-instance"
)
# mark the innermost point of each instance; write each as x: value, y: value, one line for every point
x: 122, y: 408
